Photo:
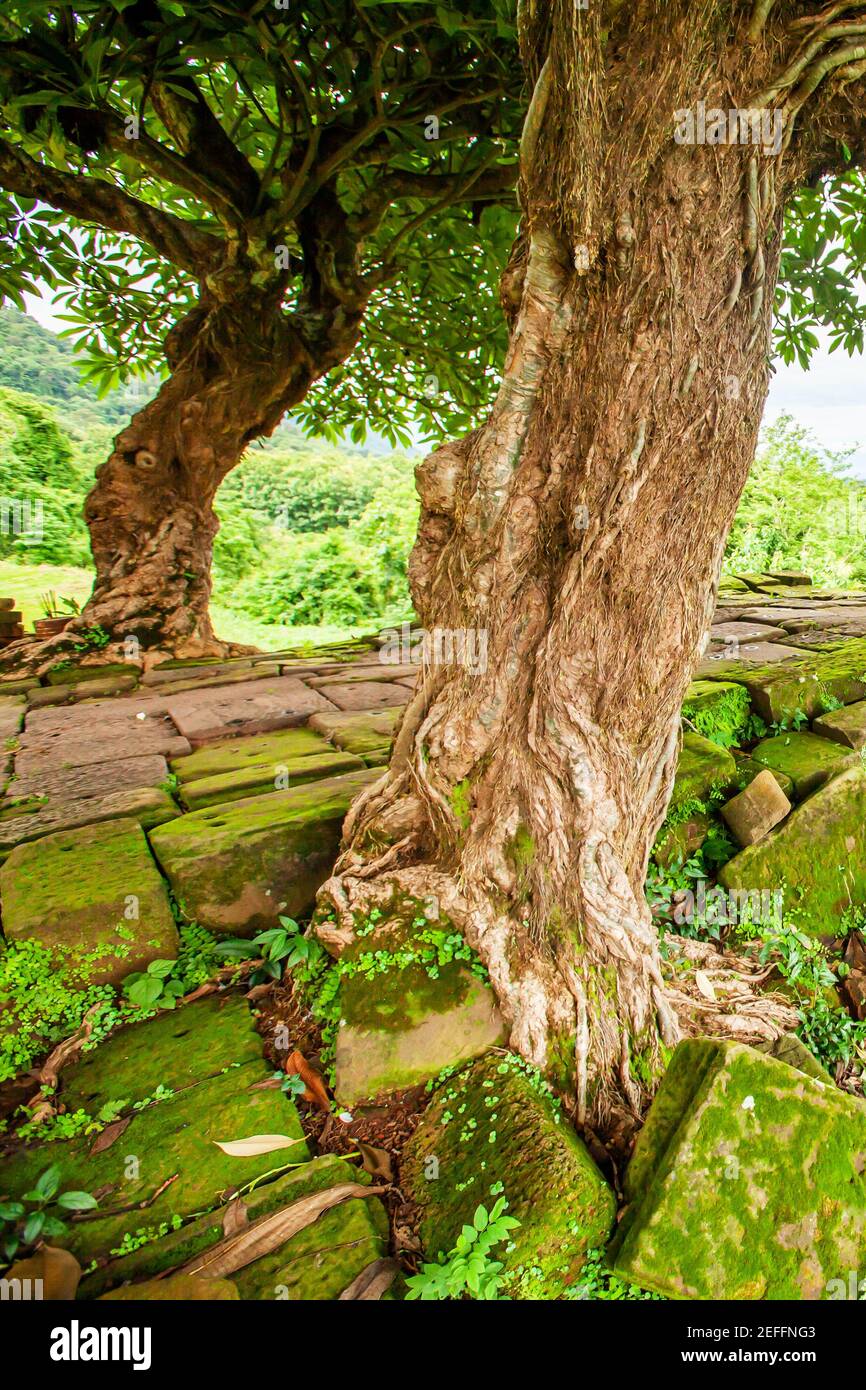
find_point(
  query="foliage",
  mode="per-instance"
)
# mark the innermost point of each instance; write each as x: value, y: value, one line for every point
x: 280, y: 948
x: 829, y: 1032
x: 44, y: 1001
x: 598, y: 1283
x: 469, y: 1269
x: 155, y: 986
x: 799, y: 511
x: 144, y: 142
x: 37, y: 1214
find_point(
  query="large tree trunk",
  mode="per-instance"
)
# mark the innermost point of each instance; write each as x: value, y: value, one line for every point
x: 150, y: 513
x: 579, y: 535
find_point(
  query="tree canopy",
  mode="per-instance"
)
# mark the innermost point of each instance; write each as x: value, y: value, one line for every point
x: 366, y: 153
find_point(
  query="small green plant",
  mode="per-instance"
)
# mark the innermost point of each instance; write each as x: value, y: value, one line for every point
x: 281, y: 948
x: 831, y: 1034
x: 38, y: 1214
x: 92, y: 639
x: 469, y: 1269
x: 598, y: 1283
x: 155, y: 987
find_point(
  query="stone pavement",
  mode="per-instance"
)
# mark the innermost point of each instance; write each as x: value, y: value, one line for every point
x: 225, y: 758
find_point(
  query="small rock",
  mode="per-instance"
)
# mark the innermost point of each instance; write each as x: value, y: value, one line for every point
x: 756, y: 810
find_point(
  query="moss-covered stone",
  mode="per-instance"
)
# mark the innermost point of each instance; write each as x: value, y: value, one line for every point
x: 75, y: 675
x: 809, y: 761
x: 715, y: 1211
x: 178, y: 1048
x: 94, y: 896
x: 719, y: 710
x: 38, y: 817
x: 318, y: 1263
x: 748, y: 770
x: 817, y: 857
x: 703, y: 768
x: 180, y: 1288
x: 809, y: 685
x: 367, y: 734
x: 267, y: 777
x: 234, y: 754
x: 846, y: 726
x: 492, y: 1130
x: 171, y: 1139
x: 677, y: 843
x: 402, y: 1027
x: 237, y: 867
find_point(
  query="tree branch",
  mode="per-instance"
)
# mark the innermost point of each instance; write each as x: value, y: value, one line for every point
x: 94, y: 200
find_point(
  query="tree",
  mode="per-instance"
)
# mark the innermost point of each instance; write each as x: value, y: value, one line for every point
x: 231, y: 191
x: 581, y: 530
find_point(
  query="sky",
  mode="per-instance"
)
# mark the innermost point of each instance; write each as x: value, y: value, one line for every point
x: 829, y: 399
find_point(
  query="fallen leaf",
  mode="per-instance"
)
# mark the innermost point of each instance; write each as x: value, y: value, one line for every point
x: 703, y: 983
x: 59, y: 1271
x: 296, y: 1064
x: 256, y: 1144
x: 111, y: 1132
x: 377, y: 1162
x: 235, y: 1218
x: 270, y: 1232
x: 372, y: 1282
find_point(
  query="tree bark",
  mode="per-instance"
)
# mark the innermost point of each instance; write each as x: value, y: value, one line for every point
x: 150, y: 512
x: 579, y: 535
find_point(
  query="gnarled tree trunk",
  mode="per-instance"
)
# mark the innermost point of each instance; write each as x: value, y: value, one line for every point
x: 581, y: 531
x: 235, y: 369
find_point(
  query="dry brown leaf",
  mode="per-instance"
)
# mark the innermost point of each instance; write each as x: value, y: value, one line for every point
x: 296, y: 1064
x: 372, y: 1282
x: 703, y: 983
x: 111, y: 1132
x: 270, y: 1232
x: 59, y: 1271
x: 235, y: 1218
x: 377, y: 1162
x: 256, y: 1144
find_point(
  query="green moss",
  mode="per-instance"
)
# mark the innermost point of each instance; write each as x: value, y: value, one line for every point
x: 174, y: 1138
x: 703, y: 769
x: 177, y: 1247
x: 494, y: 1129
x: 715, y: 1214
x: 718, y: 710
x: 461, y: 803
x: 805, y: 759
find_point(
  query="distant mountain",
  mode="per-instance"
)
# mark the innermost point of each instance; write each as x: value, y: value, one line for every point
x: 36, y: 361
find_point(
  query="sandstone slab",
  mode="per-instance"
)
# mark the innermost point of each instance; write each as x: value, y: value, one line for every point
x: 846, y: 726
x: 316, y: 1264
x: 252, y: 707
x: 494, y: 1130
x: 713, y: 1212
x: 148, y: 806
x: 237, y: 867
x: 368, y: 735
x: 754, y: 812
x: 363, y: 695
x: 94, y: 897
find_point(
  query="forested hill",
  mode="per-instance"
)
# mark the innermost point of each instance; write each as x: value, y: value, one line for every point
x: 36, y: 361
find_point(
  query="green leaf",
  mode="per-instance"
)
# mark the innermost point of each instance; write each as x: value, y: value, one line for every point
x: 77, y: 1201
